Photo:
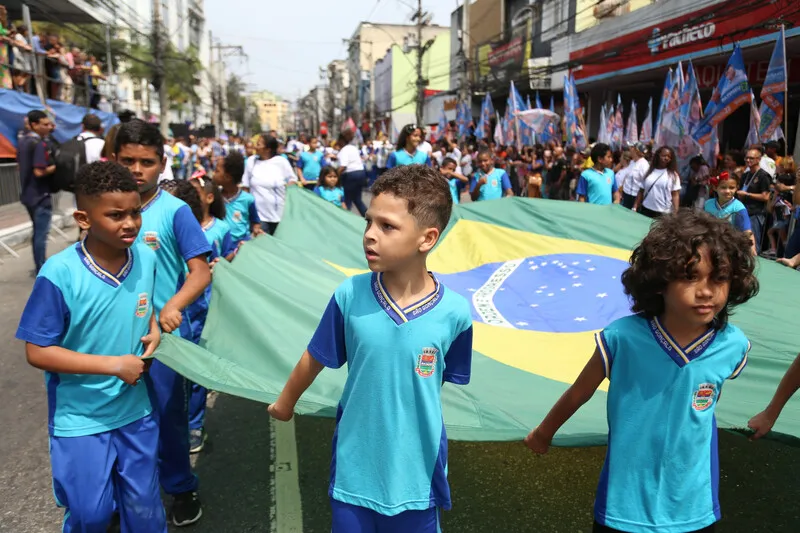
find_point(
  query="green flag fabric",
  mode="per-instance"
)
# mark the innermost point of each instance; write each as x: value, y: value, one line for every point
x: 542, y: 277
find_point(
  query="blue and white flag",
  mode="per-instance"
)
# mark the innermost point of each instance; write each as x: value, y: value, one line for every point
x: 773, y: 93
x: 755, y: 121
x: 539, y: 102
x: 573, y: 115
x: 441, y: 129
x: 632, y: 131
x: 732, y: 92
x: 661, y: 106
x: 617, y: 126
x: 646, y: 133
x: 483, y: 130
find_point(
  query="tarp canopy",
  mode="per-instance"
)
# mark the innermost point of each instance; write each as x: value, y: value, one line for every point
x: 14, y: 105
x: 542, y: 275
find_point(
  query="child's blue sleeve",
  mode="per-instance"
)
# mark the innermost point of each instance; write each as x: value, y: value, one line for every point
x: 473, y: 183
x: 189, y: 234
x: 318, y: 191
x: 458, y: 360
x: 741, y: 221
x: 300, y: 161
x: 327, y: 345
x: 428, y: 162
x: 613, y: 182
x: 228, y: 245
x: 582, y: 187
x: 391, y: 161
x: 46, y: 316
x: 253, y: 213
x: 506, y: 181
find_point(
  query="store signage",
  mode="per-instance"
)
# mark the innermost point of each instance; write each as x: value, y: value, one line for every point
x: 688, y: 34
x: 675, y: 37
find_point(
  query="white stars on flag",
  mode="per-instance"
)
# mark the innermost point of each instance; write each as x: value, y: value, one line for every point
x: 577, y: 284
x: 591, y: 269
x: 543, y: 287
x: 602, y: 295
x: 576, y: 263
x: 550, y: 294
x: 575, y: 276
x: 471, y: 290
x: 538, y: 292
x: 521, y: 324
x: 535, y: 267
x: 580, y: 319
x: 534, y: 305
x: 563, y: 289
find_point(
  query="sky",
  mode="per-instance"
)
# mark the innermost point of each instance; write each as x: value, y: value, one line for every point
x: 288, y: 40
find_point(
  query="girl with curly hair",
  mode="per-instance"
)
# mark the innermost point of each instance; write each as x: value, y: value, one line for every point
x: 666, y: 365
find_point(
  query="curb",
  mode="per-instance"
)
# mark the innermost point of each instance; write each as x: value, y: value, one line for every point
x: 21, y: 234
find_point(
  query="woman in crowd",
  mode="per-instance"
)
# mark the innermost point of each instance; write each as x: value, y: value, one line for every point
x: 660, y: 190
x: 266, y: 177
x: 351, y: 171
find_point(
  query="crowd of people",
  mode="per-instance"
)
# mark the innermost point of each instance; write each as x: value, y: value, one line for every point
x: 67, y: 73
x: 157, y: 214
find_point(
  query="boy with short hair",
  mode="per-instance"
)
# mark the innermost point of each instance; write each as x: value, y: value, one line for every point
x: 489, y: 183
x: 95, y: 298
x: 402, y: 334
x: 171, y: 230
x: 240, y: 206
x: 597, y: 185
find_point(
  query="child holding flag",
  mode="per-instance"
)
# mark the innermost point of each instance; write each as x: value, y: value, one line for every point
x: 240, y: 206
x: 90, y: 324
x: 402, y: 334
x: 661, y: 473
x: 171, y: 230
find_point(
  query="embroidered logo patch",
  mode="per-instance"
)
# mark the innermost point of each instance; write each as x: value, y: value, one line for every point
x: 703, y: 397
x: 151, y: 240
x: 237, y: 216
x: 142, y: 305
x: 494, y: 183
x: 426, y: 362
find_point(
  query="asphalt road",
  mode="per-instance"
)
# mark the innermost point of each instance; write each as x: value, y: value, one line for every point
x: 497, y: 487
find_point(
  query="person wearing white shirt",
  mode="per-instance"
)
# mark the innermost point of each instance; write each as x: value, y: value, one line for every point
x: 352, y: 173
x: 266, y: 177
x: 92, y: 137
x: 633, y: 175
x: 659, y: 192
x: 425, y: 146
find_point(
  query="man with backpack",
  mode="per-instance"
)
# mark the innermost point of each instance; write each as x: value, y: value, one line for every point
x: 36, y: 167
x: 92, y: 138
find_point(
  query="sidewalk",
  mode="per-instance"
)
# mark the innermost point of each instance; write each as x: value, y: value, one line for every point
x: 15, y: 224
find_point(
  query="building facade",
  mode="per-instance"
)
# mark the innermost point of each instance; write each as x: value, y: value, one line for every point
x: 313, y: 111
x: 627, y: 49
x: 368, y: 44
x: 274, y: 113
x: 395, y: 78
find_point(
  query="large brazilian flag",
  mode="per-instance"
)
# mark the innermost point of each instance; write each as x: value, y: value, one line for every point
x: 542, y: 277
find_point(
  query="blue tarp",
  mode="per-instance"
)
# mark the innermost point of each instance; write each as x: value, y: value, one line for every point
x: 14, y: 105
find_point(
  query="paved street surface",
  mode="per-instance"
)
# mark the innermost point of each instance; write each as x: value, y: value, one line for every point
x: 245, y: 471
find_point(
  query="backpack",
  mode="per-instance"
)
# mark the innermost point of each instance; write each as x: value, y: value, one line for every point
x: 69, y: 158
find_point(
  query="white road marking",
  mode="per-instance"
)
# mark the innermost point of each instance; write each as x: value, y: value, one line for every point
x: 286, y: 512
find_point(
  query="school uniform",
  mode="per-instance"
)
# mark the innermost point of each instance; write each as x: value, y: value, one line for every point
x: 103, y: 437
x: 389, y: 465
x: 661, y: 471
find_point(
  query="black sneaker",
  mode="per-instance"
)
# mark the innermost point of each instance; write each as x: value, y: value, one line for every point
x: 114, y: 526
x: 186, y: 509
x: 197, y: 438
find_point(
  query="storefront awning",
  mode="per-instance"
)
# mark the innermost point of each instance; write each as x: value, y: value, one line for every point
x: 73, y: 11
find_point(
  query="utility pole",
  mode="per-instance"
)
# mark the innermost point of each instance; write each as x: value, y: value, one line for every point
x: 421, y: 49
x: 218, y: 69
x: 112, y: 80
x: 159, y: 79
x: 465, y: 92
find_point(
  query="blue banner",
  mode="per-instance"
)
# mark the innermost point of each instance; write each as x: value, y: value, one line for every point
x: 485, y: 122
x: 661, y: 106
x: 773, y: 93
x: 731, y: 93
x: 573, y: 117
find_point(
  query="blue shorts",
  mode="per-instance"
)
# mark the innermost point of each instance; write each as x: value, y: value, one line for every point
x: 354, y: 519
x: 91, y: 472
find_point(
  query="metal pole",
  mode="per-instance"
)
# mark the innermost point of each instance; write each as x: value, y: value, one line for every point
x: 420, y: 52
x: 785, y: 97
x: 110, y: 71
x: 38, y: 81
x: 158, y: 48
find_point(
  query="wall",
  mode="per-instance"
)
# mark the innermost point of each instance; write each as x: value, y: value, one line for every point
x: 435, y: 68
x: 590, y: 13
x: 382, y: 76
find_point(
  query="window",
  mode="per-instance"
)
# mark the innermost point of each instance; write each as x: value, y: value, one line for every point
x: 555, y: 19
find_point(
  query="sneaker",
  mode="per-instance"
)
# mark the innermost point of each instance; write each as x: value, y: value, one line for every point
x: 197, y: 438
x: 115, y: 526
x: 186, y: 509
